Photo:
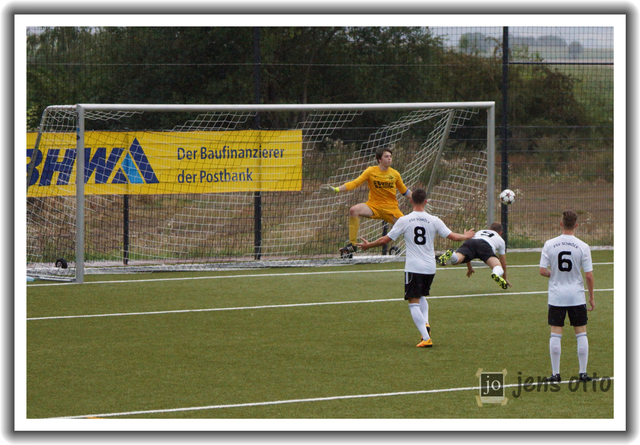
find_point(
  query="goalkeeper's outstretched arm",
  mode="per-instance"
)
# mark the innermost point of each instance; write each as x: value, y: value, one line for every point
x: 329, y: 189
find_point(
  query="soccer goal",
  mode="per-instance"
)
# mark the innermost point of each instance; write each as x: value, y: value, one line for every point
x: 214, y: 187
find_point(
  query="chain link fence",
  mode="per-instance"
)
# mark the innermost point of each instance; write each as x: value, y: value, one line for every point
x: 553, y: 88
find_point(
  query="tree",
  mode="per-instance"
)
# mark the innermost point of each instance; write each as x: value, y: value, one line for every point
x: 298, y: 65
x: 56, y: 69
x: 215, y: 65
x: 474, y: 43
x: 575, y: 50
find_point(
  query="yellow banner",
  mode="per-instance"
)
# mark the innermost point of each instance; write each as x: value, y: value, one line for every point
x: 148, y: 163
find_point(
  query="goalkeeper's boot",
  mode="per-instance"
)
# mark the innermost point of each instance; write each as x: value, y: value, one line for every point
x: 348, y: 250
x: 442, y: 259
x: 501, y: 281
x: 425, y: 344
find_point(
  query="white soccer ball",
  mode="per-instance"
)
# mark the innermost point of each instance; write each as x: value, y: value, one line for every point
x: 507, y: 197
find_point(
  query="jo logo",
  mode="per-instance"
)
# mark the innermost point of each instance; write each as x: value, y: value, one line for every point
x: 491, y: 387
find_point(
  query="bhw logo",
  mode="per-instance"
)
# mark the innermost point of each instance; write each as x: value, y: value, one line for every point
x: 132, y: 166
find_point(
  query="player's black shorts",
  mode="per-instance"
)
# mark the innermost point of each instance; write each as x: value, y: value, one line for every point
x: 577, y: 315
x: 476, y: 248
x: 417, y: 285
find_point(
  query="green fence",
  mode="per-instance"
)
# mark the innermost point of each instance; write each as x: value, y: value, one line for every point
x: 553, y: 89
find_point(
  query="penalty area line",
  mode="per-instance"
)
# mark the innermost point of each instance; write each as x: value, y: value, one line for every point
x: 281, y: 306
x: 310, y: 400
x: 263, y: 275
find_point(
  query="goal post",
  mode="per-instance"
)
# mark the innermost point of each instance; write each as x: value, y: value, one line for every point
x: 171, y: 187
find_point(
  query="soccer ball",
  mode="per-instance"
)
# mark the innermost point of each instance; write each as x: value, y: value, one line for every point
x: 507, y: 197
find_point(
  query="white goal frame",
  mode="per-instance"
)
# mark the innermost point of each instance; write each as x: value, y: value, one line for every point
x: 82, y: 109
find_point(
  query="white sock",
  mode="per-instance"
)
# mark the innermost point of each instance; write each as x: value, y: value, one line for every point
x: 424, y: 307
x: 583, y: 351
x: 555, y: 350
x: 418, y: 319
x: 498, y: 270
x: 454, y: 258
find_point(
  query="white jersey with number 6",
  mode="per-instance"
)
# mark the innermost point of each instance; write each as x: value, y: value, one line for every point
x: 565, y: 255
x: 419, y: 230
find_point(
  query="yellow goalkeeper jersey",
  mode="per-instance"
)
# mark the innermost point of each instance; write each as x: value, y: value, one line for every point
x: 382, y: 185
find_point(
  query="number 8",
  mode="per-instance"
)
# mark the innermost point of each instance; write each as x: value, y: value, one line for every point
x: 419, y: 237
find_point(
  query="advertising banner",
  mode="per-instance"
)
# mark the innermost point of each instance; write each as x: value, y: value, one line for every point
x: 148, y: 163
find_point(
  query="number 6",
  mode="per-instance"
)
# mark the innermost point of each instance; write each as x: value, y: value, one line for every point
x: 565, y: 265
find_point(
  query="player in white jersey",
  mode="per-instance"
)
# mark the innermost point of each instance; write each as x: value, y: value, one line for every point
x: 487, y: 245
x: 419, y: 229
x: 561, y: 261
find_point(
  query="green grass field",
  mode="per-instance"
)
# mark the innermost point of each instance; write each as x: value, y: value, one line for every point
x: 307, y: 343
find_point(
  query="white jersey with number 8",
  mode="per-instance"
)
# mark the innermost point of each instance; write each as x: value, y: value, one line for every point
x: 419, y: 230
x: 565, y: 256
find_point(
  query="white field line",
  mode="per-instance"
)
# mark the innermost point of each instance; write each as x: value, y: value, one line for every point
x: 317, y: 399
x: 288, y: 274
x: 279, y: 306
x: 281, y: 402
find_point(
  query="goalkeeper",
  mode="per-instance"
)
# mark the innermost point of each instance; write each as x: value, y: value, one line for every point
x: 383, y: 181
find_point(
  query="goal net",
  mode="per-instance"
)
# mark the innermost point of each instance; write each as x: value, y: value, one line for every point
x: 205, y: 187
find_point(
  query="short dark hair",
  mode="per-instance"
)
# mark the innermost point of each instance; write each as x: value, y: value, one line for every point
x: 419, y: 196
x: 496, y: 227
x: 380, y: 152
x: 569, y: 219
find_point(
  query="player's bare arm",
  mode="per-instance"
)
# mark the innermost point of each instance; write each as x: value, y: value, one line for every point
x: 590, y: 281
x: 468, y: 234
x: 470, y: 270
x: 365, y: 245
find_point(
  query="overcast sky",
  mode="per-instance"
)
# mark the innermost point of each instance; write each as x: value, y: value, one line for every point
x: 589, y: 37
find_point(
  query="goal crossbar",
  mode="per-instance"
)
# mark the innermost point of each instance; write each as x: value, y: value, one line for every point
x: 288, y: 107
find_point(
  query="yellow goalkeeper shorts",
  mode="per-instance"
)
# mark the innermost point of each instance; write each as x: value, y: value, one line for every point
x: 388, y: 214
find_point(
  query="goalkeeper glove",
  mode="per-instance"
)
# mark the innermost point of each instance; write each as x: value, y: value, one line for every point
x: 327, y: 189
